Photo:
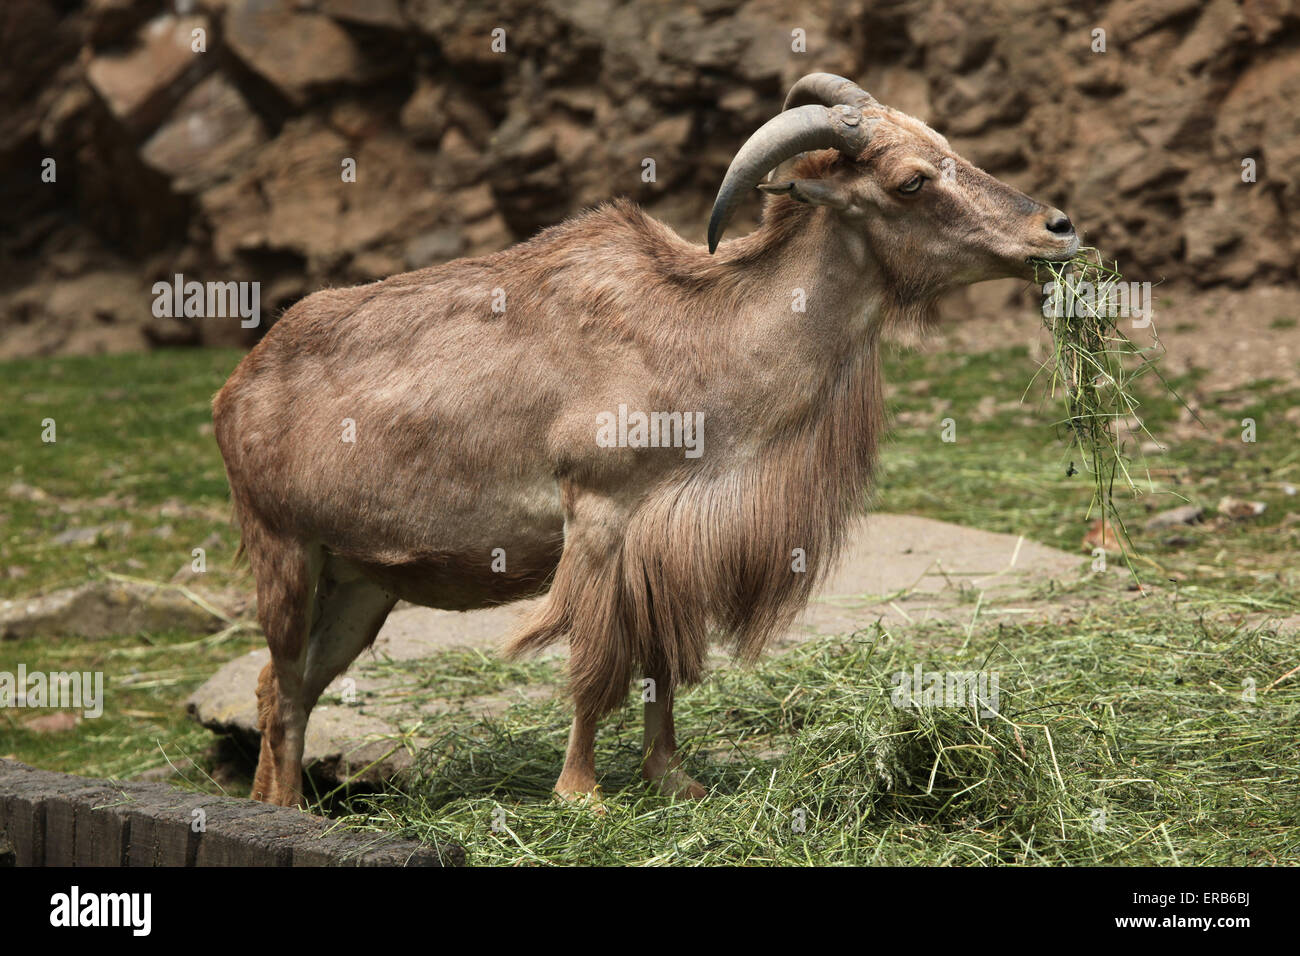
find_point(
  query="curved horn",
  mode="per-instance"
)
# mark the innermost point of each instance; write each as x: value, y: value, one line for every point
x: 784, y: 135
x: 828, y: 90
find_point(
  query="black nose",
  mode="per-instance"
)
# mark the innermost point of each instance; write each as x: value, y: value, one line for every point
x: 1059, y: 223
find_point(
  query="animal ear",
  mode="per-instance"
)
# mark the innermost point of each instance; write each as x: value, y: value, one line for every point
x: 814, y: 192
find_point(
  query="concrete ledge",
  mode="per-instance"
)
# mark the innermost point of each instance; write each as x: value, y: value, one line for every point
x: 57, y: 819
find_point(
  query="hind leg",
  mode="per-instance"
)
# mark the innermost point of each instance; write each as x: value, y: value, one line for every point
x: 286, y: 580
x: 342, y: 620
x: 350, y: 610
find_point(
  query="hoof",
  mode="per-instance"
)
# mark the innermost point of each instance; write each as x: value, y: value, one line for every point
x: 677, y: 784
x: 590, y: 799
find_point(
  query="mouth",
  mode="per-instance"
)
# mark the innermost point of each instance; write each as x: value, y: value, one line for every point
x: 1052, y: 258
x: 1065, y: 255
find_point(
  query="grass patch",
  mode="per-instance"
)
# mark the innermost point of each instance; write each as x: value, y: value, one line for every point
x: 143, y: 727
x: 1119, y: 739
x: 461, y: 673
x: 1006, y: 473
x: 134, y: 461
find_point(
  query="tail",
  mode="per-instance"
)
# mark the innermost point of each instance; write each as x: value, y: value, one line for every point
x: 549, y: 623
x: 222, y: 411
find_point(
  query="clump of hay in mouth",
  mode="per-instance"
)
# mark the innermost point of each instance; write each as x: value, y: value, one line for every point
x: 1094, y: 367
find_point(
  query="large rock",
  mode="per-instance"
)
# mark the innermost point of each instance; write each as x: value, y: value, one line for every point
x: 140, y: 85
x: 371, y: 13
x: 296, y: 52
x: 211, y: 130
x: 293, y: 196
x: 103, y: 608
x: 90, y: 313
x: 361, y: 729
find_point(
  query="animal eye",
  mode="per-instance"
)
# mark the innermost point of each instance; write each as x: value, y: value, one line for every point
x: 913, y: 184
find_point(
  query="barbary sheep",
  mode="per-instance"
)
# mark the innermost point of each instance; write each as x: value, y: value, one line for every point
x: 666, y: 441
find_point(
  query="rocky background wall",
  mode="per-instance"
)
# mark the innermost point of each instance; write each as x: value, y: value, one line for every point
x: 227, y: 164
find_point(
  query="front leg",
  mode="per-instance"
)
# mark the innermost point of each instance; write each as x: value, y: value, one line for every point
x: 578, y: 779
x: 661, y: 765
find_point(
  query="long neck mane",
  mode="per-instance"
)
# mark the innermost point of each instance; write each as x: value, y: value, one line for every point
x: 738, y: 544
x: 755, y: 538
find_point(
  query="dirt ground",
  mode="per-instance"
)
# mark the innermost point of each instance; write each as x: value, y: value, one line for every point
x: 1237, y: 336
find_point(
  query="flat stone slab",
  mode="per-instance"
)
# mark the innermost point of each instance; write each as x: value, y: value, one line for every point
x: 897, y: 569
x: 902, y: 569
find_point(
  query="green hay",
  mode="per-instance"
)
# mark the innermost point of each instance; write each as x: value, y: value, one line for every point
x: 1094, y: 369
x: 1122, y: 737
